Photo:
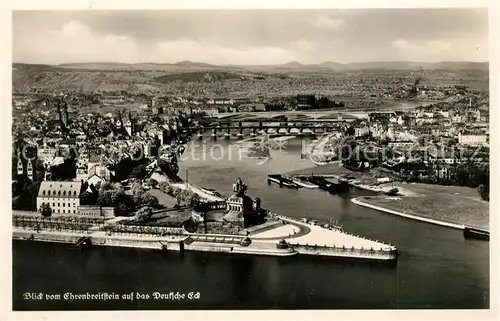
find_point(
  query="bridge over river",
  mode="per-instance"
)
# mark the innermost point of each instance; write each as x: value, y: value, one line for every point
x: 293, y: 115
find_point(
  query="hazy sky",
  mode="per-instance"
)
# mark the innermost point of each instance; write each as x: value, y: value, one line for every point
x: 251, y: 37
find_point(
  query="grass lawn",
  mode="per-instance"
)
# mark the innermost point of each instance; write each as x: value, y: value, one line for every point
x: 163, y: 198
x: 454, y: 204
x: 437, y: 202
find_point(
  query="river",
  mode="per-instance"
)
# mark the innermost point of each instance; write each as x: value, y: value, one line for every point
x: 436, y: 268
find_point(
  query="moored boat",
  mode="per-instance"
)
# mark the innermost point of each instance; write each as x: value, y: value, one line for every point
x: 303, y: 183
x: 476, y: 233
x: 326, y: 185
x: 281, y: 181
x: 210, y: 191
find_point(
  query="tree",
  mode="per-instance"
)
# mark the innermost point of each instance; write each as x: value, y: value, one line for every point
x: 88, y: 198
x: 46, y: 210
x: 144, y: 214
x: 125, y: 205
x: 484, y: 192
x: 105, y: 198
x: 149, y: 200
x: 104, y: 186
x: 139, y: 172
x: 176, y: 191
x: 163, y: 186
x: 194, y: 200
x: 153, y: 183
x: 137, y: 192
x: 424, y: 140
x: 169, y: 190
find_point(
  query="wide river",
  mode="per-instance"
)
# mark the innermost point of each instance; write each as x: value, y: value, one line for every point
x: 436, y: 268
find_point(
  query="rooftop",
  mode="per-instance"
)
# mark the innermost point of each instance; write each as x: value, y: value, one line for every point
x: 60, y: 189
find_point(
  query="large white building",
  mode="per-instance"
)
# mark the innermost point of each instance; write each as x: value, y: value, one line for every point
x: 472, y: 139
x: 62, y: 197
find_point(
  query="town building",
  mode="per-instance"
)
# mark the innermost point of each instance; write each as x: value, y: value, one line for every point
x: 306, y: 101
x: 62, y: 197
x: 46, y: 154
x: 362, y: 130
x: 94, y: 211
x: 472, y: 139
x: 20, y: 168
x: 30, y: 171
x: 401, y: 144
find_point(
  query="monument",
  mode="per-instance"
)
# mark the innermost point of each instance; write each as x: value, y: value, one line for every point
x: 241, y: 209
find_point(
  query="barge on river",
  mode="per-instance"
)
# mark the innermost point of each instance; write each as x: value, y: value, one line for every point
x: 324, y: 184
x: 281, y: 180
x: 476, y: 233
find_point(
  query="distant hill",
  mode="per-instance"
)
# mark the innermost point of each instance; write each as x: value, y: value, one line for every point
x: 197, y: 77
x: 98, y: 66
x: 187, y: 63
x: 153, y: 76
x: 293, y: 64
x: 197, y: 66
x: 330, y: 64
x: 112, y: 66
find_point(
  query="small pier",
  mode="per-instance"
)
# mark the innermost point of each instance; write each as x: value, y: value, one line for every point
x: 83, y: 243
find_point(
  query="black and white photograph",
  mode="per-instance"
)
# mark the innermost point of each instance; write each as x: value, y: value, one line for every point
x: 271, y: 159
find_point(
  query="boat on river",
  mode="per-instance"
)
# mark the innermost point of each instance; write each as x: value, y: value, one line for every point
x: 211, y: 192
x: 476, y: 233
x: 281, y: 181
x: 303, y: 183
x: 326, y: 185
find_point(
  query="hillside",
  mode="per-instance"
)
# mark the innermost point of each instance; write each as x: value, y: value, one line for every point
x: 325, y: 77
x: 197, y: 77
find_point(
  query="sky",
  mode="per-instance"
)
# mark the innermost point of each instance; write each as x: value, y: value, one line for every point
x: 258, y: 37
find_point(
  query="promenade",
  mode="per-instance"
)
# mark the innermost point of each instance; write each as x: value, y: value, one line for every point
x: 297, y: 232
x: 304, y: 238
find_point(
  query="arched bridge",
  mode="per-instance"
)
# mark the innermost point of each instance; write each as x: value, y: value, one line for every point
x: 255, y: 128
x: 292, y: 115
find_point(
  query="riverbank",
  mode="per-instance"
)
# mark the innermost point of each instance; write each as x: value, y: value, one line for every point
x: 437, y: 210
x: 454, y: 206
x: 362, y: 201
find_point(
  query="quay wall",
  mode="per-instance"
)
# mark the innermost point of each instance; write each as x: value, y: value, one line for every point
x: 414, y: 217
x: 208, y: 248
x: 67, y: 238
x: 389, y: 254
x: 46, y: 236
x: 126, y: 242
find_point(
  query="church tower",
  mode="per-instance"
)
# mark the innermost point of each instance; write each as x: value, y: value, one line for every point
x: 20, y: 168
x: 30, y: 171
x: 129, y: 127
